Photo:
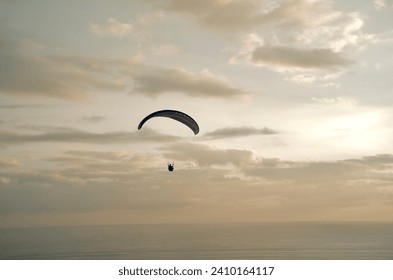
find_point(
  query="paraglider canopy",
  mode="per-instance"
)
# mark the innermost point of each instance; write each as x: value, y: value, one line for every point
x: 176, y: 115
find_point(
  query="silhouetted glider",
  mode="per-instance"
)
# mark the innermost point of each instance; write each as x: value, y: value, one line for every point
x: 176, y: 115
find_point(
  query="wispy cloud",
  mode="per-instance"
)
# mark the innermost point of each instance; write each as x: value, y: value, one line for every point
x: 165, y: 49
x: 340, y: 102
x: 155, y: 81
x: 239, y: 132
x: 94, y: 118
x: 246, y: 14
x: 217, y: 14
x: 79, y: 136
x: 367, y: 168
x: 322, y: 79
x: 380, y: 4
x: 82, y: 164
x: 204, y: 155
x: 289, y: 58
x: 8, y: 162
x: 112, y: 28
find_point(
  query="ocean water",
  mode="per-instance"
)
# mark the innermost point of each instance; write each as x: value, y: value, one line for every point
x: 304, y: 241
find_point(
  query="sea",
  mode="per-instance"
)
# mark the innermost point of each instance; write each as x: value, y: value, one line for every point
x: 270, y: 241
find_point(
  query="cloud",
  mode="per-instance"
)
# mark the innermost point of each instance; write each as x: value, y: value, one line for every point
x: 302, y: 171
x: 299, y: 13
x: 155, y: 81
x: 55, y: 193
x: 97, y: 155
x: 320, y: 47
x: 340, y: 102
x: 216, y: 13
x: 29, y: 74
x: 366, y: 168
x: 204, y: 155
x: 239, y: 132
x: 327, y: 79
x: 78, y: 136
x: 94, y: 118
x: 8, y: 162
x: 166, y: 49
x: 112, y: 28
x: 21, y: 106
x: 107, y: 165
x: 232, y: 15
x: 294, y: 58
x: 96, y: 185
x: 380, y: 4
x: 381, y: 162
x: 306, y: 21
x: 316, y: 51
x: 87, y: 181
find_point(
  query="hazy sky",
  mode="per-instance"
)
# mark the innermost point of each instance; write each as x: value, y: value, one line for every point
x: 293, y: 99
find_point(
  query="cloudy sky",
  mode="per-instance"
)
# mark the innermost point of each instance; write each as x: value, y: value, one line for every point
x: 293, y: 99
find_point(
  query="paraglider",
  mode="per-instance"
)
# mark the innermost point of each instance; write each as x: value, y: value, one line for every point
x: 176, y: 115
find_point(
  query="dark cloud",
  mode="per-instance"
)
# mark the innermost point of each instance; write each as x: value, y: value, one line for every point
x: 153, y: 81
x: 26, y: 72
x: 78, y: 136
x: 288, y: 57
x: 379, y: 160
x: 239, y: 132
x: 159, y: 80
x: 94, y: 119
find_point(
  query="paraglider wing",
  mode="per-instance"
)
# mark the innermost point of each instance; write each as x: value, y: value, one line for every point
x: 176, y: 115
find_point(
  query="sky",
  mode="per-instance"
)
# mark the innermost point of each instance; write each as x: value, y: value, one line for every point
x: 293, y: 100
